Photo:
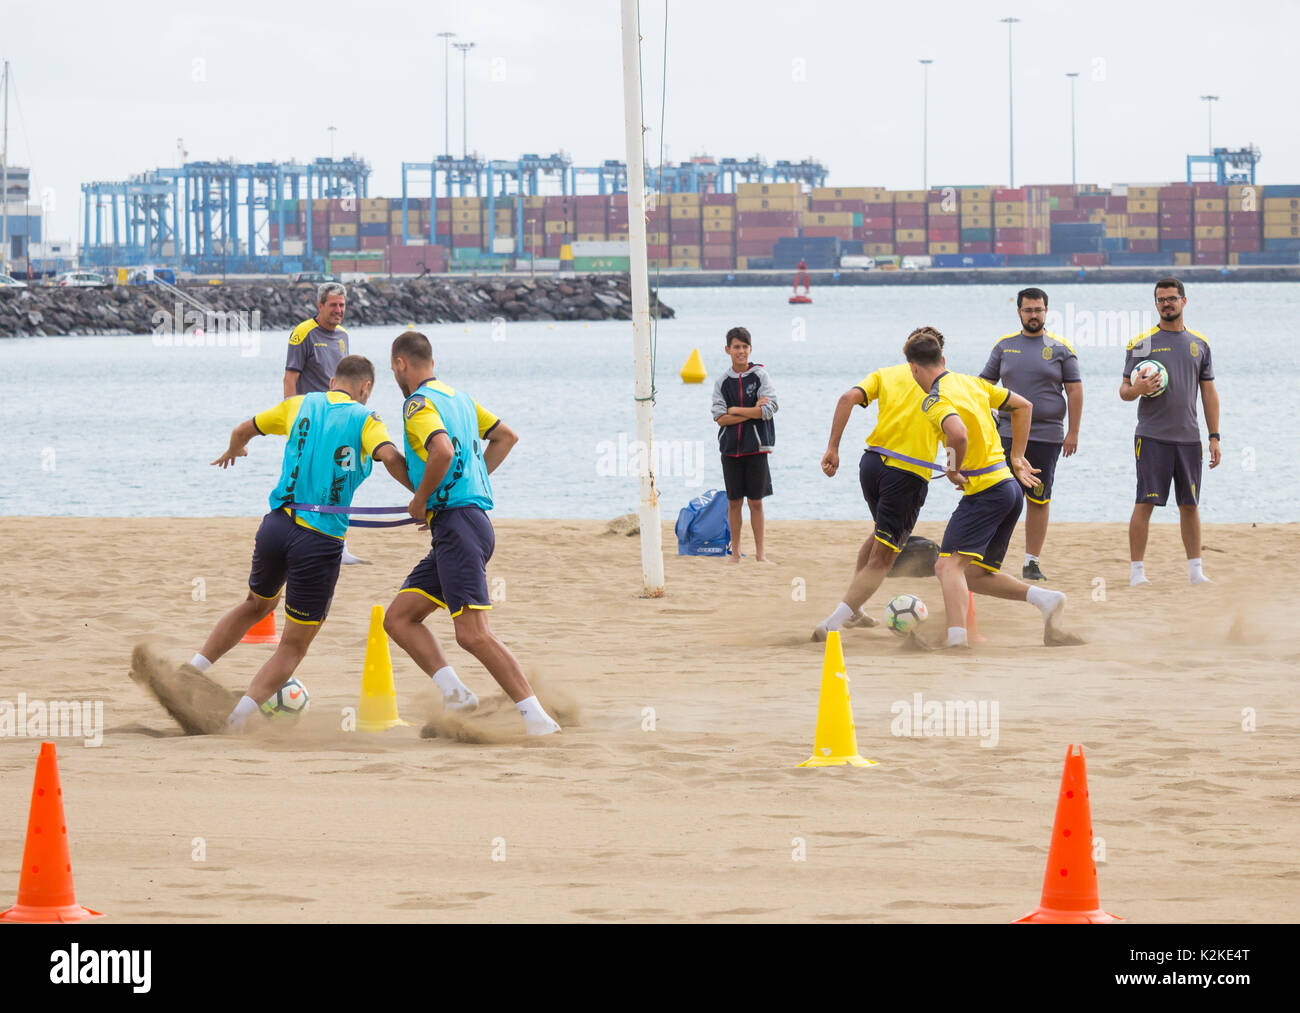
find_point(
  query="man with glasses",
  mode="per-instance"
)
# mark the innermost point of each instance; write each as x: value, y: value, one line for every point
x: 1167, y: 444
x: 1042, y: 368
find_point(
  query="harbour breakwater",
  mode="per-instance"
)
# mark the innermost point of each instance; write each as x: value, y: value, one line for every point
x: 241, y: 305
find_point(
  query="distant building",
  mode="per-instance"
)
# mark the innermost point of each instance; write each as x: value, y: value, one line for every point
x: 22, y: 220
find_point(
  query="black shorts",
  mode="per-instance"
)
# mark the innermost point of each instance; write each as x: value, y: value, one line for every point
x: 981, y: 525
x: 307, y: 559
x: 454, y: 573
x: 1158, y: 462
x: 1043, y: 456
x: 893, y: 496
x: 747, y: 476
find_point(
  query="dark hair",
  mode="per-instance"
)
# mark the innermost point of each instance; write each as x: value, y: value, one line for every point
x: 1031, y: 293
x: 413, y: 347
x: 924, y: 346
x: 738, y: 334
x: 355, y: 367
x: 1171, y: 283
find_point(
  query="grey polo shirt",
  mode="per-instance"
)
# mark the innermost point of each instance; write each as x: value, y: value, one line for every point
x: 315, y: 353
x: 1037, y: 368
x: 1171, y: 416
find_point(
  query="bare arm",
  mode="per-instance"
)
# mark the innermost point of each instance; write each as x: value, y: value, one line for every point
x: 1074, y: 409
x: 955, y: 441
x: 843, y: 409
x: 1210, y: 399
x: 239, y: 438
x: 391, y: 459
x: 500, y: 442
x: 1130, y: 391
x: 435, y: 470
x: 290, y: 383
x: 1022, y: 416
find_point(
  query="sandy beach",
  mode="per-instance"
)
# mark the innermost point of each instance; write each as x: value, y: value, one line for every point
x: 673, y: 793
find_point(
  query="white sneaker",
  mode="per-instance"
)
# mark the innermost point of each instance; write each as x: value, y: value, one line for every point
x: 1138, y: 581
x: 462, y: 700
x: 547, y: 727
x: 350, y: 560
x: 1200, y: 578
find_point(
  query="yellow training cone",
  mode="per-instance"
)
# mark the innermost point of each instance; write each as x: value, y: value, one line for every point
x: 693, y: 371
x: 378, y: 710
x: 836, y: 741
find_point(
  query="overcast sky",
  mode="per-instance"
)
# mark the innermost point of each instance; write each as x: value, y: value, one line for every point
x: 104, y: 90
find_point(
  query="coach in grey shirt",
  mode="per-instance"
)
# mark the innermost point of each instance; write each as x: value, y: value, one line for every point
x: 317, y: 345
x: 1167, y: 444
x: 1042, y: 368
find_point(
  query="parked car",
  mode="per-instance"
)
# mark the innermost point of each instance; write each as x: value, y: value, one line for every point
x: 8, y: 282
x: 82, y: 279
x: 312, y: 278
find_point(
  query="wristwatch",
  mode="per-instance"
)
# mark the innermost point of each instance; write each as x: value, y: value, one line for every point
x: 1214, y: 436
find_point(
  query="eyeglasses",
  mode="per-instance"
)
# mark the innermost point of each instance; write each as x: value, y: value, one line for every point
x: 1168, y: 298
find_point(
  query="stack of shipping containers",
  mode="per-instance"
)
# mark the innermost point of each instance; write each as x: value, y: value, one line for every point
x: 877, y: 222
x: 685, y: 231
x: 1177, y: 216
x: 718, y: 219
x: 976, y: 221
x: 909, y: 223
x: 1281, y: 225
x: 943, y: 222
x: 765, y: 212
x: 1010, y: 221
x: 1245, y: 224
x: 1209, y: 224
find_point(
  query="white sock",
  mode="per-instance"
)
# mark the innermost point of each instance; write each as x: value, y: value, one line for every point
x: 1137, y: 573
x: 956, y: 636
x: 246, y: 707
x: 1030, y: 559
x: 200, y: 662
x: 1195, y: 575
x: 449, y: 682
x: 839, y: 617
x: 536, y: 720
x: 1043, y: 599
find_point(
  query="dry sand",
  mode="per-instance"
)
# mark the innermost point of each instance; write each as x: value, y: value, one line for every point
x: 701, y: 818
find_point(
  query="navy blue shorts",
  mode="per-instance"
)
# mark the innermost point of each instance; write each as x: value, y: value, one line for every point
x: 1043, y: 456
x: 981, y: 525
x: 893, y: 496
x: 1158, y: 462
x: 307, y: 559
x: 454, y: 573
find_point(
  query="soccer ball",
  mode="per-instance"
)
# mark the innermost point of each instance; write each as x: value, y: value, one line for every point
x: 905, y: 613
x: 289, y: 700
x: 1147, y: 367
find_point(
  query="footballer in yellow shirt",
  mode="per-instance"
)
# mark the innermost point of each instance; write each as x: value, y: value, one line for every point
x: 894, y: 473
x: 959, y: 407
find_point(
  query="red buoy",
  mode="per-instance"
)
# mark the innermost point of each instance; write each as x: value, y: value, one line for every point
x: 801, y: 280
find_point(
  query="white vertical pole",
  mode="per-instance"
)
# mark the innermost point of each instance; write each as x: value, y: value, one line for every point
x: 652, y: 556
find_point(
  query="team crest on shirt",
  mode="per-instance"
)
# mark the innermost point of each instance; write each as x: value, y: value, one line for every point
x: 1047, y: 351
x: 297, y: 337
x: 413, y: 406
x: 1194, y: 348
x: 929, y: 402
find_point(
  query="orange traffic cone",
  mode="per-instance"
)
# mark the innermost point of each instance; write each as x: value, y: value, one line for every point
x: 1070, y: 883
x: 972, y: 627
x: 45, y: 892
x: 263, y: 631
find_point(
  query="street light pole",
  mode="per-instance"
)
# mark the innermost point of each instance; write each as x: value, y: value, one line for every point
x: 464, y: 48
x: 925, y: 128
x: 446, y: 91
x: 1011, y: 118
x: 1074, y: 178
x: 1209, y: 101
x: 331, y: 131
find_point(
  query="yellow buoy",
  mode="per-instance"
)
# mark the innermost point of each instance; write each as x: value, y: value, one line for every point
x: 693, y: 371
